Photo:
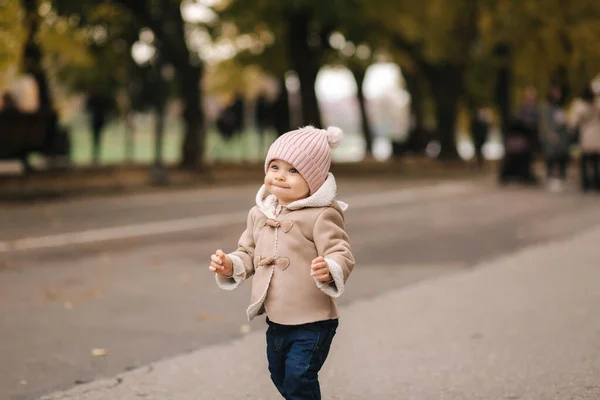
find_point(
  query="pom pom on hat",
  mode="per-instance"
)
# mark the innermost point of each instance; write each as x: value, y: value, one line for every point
x: 334, y: 136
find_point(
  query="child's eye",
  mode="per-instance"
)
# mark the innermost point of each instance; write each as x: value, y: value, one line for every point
x: 294, y: 171
x: 275, y: 167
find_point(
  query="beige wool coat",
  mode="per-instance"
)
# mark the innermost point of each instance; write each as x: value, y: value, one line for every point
x: 586, y: 116
x: 278, y: 252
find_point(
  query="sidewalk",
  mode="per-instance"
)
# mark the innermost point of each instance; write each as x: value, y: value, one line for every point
x: 134, y: 178
x: 522, y: 327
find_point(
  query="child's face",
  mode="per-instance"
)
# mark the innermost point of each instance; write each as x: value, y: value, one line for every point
x: 285, y: 182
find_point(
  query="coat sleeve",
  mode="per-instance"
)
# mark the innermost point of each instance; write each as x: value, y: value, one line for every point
x: 574, y: 115
x: 242, y: 258
x: 333, y: 244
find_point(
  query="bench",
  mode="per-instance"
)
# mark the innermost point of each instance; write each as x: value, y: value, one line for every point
x: 25, y: 133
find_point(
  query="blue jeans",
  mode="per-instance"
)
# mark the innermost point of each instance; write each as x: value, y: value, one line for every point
x: 296, y: 353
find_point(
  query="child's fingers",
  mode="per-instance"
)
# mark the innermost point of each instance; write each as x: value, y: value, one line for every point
x: 317, y: 260
x: 320, y: 273
x: 216, y: 259
x: 216, y: 265
x: 323, y: 277
x: 220, y: 253
x: 319, y: 266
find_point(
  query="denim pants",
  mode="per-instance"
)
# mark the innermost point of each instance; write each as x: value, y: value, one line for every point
x: 590, y: 171
x: 295, y: 354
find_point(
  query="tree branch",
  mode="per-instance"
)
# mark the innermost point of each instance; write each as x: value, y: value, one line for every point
x: 468, y: 32
x: 169, y: 46
x: 415, y: 52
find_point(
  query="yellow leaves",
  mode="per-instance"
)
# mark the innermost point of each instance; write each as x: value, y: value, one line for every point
x: 229, y: 77
x: 486, y: 22
x: 106, y: 12
x: 65, y: 43
x: 439, y: 27
x: 558, y: 35
x: 410, y: 27
x: 61, y: 41
x: 12, y: 37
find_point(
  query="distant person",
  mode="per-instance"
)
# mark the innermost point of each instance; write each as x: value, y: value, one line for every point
x: 231, y: 119
x: 264, y: 117
x: 26, y: 94
x: 9, y: 108
x: 98, y: 107
x: 586, y: 120
x: 518, y: 153
x: 529, y: 115
x: 529, y: 112
x: 8, y: 103
x: 296, y: 246
x: 480, y: 126
x: 555, y: 139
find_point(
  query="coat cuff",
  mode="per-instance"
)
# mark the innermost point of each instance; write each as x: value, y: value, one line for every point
x: 335, y: 288
x: 239, y: 274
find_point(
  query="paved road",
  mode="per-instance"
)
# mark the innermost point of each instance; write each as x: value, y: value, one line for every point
x: 521, y: 327
x: 99, y: 274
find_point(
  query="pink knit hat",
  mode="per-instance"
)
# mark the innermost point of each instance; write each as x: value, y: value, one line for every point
x: 308, y: 149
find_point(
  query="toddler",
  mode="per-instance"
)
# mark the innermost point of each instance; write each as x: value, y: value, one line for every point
x: 296, y: 246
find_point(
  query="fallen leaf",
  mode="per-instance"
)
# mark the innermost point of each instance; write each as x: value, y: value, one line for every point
x: 209, y: 317
x: 95, y: 293
x: 51, y: 293
x: 99, y: 352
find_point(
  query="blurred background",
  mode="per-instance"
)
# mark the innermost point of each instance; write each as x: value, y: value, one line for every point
x: 197, y: 82
x: 443, y: 103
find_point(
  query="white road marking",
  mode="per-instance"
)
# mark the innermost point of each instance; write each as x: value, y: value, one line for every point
x: 399, y: 196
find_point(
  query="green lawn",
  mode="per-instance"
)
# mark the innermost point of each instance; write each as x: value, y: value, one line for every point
x: 243, y: 147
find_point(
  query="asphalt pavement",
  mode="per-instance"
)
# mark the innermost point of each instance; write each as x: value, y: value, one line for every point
x: 524, y: 326
x: 93, y: 287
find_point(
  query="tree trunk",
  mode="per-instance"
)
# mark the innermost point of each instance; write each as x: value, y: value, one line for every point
x: 447, y: 87
x: 32, y: 56
x: 359, y: 76
x: 189, y: 73
x: 417, y: 138
x: 193, y: 143
x: 281, y: 119
x: 306, y: 63
x: 503, y: 84
x: 167, y: 24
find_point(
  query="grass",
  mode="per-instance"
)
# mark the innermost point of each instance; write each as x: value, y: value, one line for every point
x: 247, y: 146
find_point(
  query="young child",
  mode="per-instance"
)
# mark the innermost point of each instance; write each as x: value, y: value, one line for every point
x: 296, y: 247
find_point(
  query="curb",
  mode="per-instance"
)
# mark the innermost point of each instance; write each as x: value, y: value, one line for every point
x: 81, y: 181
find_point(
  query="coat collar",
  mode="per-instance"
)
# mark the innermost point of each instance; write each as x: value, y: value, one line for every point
x: 324, y: 197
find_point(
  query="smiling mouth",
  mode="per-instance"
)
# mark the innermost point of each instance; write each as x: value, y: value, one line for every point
x: 278, y: 186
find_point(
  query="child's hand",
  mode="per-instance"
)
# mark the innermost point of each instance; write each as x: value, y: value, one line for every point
x: 221, y: 263
x: 320, y: 270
